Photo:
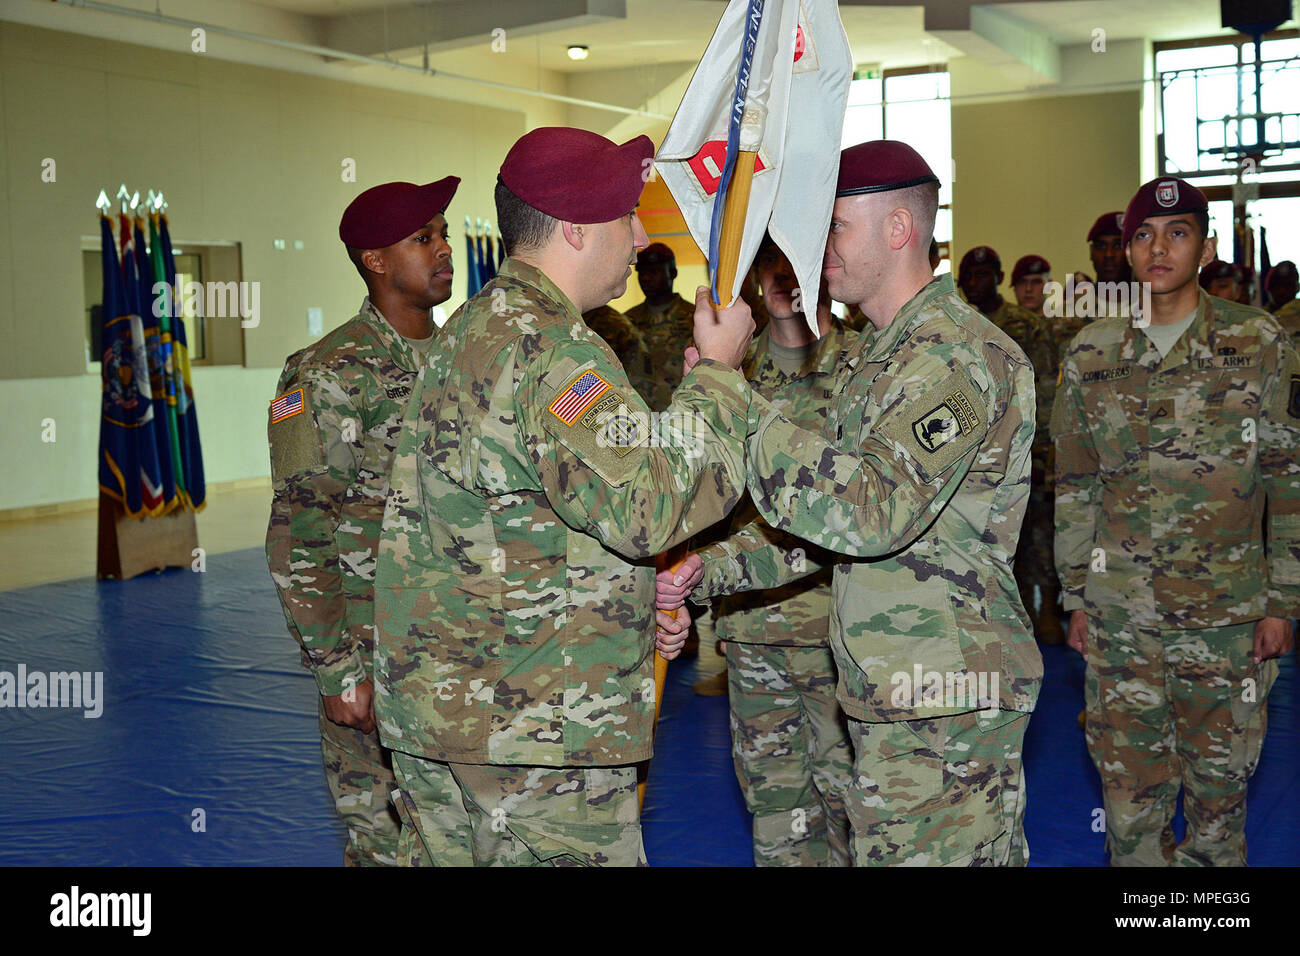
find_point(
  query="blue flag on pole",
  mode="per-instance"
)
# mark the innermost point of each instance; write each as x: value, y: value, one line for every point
x: 128, y: 453
x: 157, y: 369
x: 484, y: 262
x: 472, y: 279
x: 187, y: 419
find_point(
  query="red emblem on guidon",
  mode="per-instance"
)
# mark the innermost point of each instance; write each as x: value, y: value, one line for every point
x: 708, y: 162
x: 1167, y: 193
x: 798, y: 43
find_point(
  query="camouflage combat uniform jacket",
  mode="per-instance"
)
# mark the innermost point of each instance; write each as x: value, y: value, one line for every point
x: 619, y: 334
x: 1034, y: 334
x: 1163, y: 467
x: 666, y: 335
x: 530, y: 492
x: 1289, y: 315
x: 923, y: 471
x: 795, y: 614
x: 329, y: 468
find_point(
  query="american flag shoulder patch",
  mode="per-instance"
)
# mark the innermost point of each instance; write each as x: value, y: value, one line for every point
x: 579, y: 396
x: 288, y: 405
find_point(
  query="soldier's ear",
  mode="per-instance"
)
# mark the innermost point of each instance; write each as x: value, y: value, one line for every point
x: 1209, y: 251
x: 372, y: 260
x: 573, y: 234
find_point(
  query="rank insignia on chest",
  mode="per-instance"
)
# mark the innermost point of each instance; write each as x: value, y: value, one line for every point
x: 287, y: 405
x: 579, y: 396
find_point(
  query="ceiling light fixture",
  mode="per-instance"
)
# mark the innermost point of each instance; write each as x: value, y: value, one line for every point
x: 577, y: 51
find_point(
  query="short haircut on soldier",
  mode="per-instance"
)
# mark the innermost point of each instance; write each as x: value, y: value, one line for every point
x: 355, y: 255
x: 923, y: 201
x: 1202, y: 218
x: 521, y: 226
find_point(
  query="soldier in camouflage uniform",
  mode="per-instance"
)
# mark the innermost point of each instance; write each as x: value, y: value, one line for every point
x: 332, y: 432
x: 1028, y: 277
x: 918, y: 483
x: 1281, y: 283
x: 619, y: 334
x: 530, y: 492
x: 1066, y: 318
x: 979, y: 276
x: 1173, y: 440
x: 666, y: 322
x: 789, y: 739
x: 1219, y: 279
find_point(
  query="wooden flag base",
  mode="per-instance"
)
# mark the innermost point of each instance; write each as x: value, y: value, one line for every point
x: 129, y: 547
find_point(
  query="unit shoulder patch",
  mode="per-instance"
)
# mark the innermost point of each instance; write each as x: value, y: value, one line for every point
x: 940, y: 426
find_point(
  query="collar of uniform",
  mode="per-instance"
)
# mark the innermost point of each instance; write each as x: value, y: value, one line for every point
x: 820, y: 361
x: 398, y: 348
x: 886, y: 340
x: 535, y: 277
x: 1195, y: 343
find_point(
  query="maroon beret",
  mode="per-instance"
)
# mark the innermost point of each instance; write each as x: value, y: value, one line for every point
x: 980, y: 255
x: 655, y: 253
x: 1030, y: 266
x: 1284, y: 270
x: 575, y: 175
x: 388, y: 213
x: 1107, y: 224
x: 1164, y: 196
x: 879, y: 166
x: 1216, y: 269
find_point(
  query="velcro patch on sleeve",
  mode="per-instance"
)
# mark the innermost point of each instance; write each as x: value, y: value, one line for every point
x: 940, y: 426
x: 1293, y: 407
x: 295, y: 443
x: 603, y: 433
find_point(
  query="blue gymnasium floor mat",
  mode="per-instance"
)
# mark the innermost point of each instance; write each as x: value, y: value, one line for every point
x: 205, y: 707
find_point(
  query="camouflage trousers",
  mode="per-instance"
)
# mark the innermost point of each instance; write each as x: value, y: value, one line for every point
x: 1171, y: 709
x: 790, y: 744
x: 1035, y: 563
x: 359, y: 772
x: 484, y: 815
x: 947, y: 791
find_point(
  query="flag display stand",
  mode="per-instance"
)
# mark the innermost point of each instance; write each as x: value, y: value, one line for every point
x: 150, y: 461
x: 132, y: 546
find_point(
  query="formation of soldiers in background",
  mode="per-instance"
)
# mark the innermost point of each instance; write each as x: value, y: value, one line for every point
x: 463, y: 521
x: 650, y: 338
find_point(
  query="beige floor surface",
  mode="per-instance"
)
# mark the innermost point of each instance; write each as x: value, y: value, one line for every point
x: 62, y: 547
